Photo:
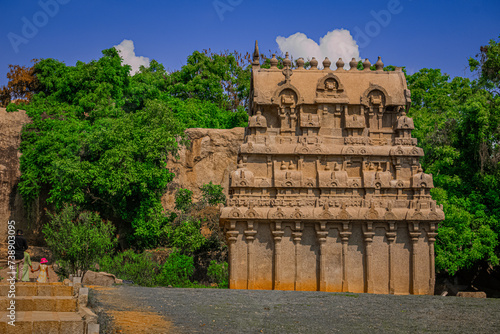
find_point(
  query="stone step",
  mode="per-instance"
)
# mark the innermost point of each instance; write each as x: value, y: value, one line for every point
x: 41, y: 303
x: 43, y: 322
x: 37, y: 289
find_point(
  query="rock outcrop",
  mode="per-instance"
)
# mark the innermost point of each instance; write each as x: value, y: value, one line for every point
x: 11, y: 206
x: 210, y: 156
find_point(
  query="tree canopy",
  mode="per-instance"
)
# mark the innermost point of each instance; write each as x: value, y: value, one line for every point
x: 457, y: 123
x: 100, y: 138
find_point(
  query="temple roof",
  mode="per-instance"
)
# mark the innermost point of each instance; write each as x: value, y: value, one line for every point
x: 356, y: 84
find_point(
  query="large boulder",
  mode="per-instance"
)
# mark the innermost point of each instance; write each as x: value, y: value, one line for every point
x: 210, y: 156
x: 100, y: 278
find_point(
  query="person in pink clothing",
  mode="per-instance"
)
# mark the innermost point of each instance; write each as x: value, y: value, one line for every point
x: 43, y: 276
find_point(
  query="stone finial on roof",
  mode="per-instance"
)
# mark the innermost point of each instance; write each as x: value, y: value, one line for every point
x: 353, y: 64
x: 300, y: 63
x: 256, y: 54
x: 379, y: 65
x: 274, y: 61
x: 340, y: 64
x: 326, y: 64
x: 314, y: 64
x: 366, y: 65
x: 287, y: 61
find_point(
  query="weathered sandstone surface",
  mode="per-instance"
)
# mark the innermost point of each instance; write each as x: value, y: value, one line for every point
x: 210, y: 157
x: 11, y: 207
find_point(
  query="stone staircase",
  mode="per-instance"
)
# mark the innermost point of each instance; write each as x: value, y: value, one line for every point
x: 47, y: 308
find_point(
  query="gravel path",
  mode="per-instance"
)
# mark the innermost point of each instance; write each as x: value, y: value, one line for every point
x: 252, y: 311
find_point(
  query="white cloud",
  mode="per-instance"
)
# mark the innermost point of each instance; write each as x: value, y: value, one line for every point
x: 334, y: 45
x: 126, y: 48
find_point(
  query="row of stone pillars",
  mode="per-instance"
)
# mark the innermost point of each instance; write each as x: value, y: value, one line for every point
x: 322, y: 234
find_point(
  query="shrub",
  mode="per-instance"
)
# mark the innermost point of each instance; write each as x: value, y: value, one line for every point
x: 212, y: 194
x: 138, y: 267
x: 12, y: 107
x: 177, y: 270
x: 183, y: 199
x: 187, y: 237
x: 77, y: 239
x: 219, y: 273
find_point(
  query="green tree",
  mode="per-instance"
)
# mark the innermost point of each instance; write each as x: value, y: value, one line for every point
x: 101, y: 138
x: 183, y: 199
x: 456, y: 122
x: 177, y: 270
x: 86, y: 148
x: 487, y: 65
x: 77, y: 239
x: 219, y: 78
x: 212, y: 194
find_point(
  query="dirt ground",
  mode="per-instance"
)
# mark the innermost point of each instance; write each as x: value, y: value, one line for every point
x: 131, y: 309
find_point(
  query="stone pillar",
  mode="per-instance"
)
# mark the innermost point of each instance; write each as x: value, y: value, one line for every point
x: 232, y: 236
x: 391, y: 236
x: 322, y: 233
x: 344, y: 235
x: 297, y: 236
x: 368, y: 236
x: 431, y: 235
x: 414, y: 235
x: 250, y: 237
x: 277, y: 234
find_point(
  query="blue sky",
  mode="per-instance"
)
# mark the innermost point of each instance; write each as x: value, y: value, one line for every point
x: 415, y: 34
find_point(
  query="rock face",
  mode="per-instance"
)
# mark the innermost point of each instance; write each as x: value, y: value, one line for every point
x: 210, y: 156
x: 329, y: 193
x: 11, y: 206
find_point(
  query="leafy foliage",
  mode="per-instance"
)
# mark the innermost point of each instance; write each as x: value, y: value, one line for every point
x: 183, y: 199
x: 213, y: 194
x: 128, y: 265
x: 21, y: 86
x: 177, y: 270
x: 78, y: 239
x: 487, y: 64
x: 457, y: 124
x: 101, y: 138
x: 187, y: 237
x: 219, y: 273
x: 11, y: 107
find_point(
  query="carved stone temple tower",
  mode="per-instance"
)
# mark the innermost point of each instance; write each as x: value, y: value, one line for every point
x: 329, y: 194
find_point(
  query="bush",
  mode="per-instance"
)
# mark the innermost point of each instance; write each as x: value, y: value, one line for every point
x: 177, y: 270
x: 183, y: 199
x: 212, y: 194
x: 11, y: 107
x: 78, y: 239
x: 137, y: 267
x: 219, y: 273
x: 187, y: 237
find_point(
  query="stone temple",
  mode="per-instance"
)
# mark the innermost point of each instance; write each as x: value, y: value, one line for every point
x: 329, y: 194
